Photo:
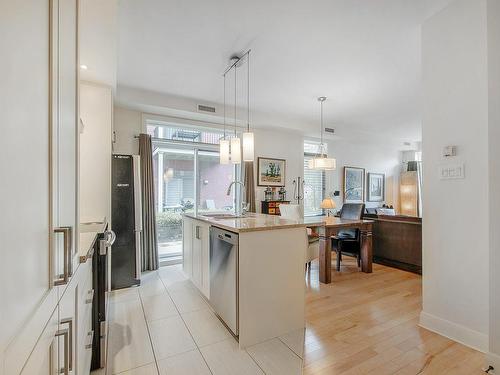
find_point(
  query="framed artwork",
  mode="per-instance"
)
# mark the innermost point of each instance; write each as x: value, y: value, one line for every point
x: 376, y: 187
x: 354, y: 185
x: 271, y: 172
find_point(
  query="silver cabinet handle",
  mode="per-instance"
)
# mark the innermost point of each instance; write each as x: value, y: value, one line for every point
x: 90, y: 338
x: 197, y: 232
x: 67, y: 269
x: 69, y: 322
x: 90, y: 297
x: 65, y: 334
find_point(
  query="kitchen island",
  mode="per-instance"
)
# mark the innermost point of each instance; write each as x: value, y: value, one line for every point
x: 263, y: 297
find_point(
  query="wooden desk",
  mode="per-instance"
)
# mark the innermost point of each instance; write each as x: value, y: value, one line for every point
x: 328, y: 227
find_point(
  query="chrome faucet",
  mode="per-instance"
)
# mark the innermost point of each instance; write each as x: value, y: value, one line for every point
x: 238, y: 208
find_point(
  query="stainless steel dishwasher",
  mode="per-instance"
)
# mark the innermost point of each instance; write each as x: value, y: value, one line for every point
x: 224, y: 276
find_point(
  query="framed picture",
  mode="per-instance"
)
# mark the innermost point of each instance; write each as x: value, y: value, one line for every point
x: 271, y: 172
x: 354, y: 185
x: 376, y: 187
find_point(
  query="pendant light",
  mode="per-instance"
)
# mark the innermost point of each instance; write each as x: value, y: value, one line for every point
x: 224, y: 143
x: 321, y: 161
x: 235, y: 141
x: 248, y: 138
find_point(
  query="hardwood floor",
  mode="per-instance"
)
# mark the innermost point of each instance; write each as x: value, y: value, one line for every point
x: 368, y: 324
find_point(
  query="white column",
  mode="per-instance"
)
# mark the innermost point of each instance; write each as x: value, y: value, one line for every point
x: 494, y: 185
x: 455, y: 223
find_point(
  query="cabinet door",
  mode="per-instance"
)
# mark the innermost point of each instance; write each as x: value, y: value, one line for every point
x: 64, y: 122
x: 96, y: 112
x: 44, y: 357
x: 68, y: 306
x: 25, y: 229
x: 187, y: 246
x: 205, y: 260
x: 197, y: 261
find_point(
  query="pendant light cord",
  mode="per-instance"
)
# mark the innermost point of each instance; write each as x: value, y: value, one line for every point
x: 224, y: 106
x: 235, y: 100
x: 321, y: 125
x: 248, y: 92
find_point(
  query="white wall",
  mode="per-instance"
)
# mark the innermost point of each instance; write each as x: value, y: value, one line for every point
x: 127, y: 124
x: 375, y: 158
x: 280, y: 145
x: 288, y: 145
x: 494, y: 170
x: 455, y: 223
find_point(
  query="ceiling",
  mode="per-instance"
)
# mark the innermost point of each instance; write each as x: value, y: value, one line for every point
x: 364, y: 55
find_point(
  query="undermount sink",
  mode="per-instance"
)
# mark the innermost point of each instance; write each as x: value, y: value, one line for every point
x: 223, y: 216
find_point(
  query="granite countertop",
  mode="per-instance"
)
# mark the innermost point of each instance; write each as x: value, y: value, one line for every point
x: 88, y: 235
x: 251, y: 222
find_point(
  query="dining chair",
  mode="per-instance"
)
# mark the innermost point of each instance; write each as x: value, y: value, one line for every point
x: 348, y: 241
x: 294, y: 212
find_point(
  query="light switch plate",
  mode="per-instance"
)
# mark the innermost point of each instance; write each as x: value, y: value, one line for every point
x: 451, y: 171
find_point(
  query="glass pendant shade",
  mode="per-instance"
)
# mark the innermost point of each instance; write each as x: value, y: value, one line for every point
x: 224, y: 151
x: 235, y: 151
x: 248, y: 147
x: 325, y: 163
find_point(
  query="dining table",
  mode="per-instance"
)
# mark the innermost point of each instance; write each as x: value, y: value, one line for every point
x: 329, y: 226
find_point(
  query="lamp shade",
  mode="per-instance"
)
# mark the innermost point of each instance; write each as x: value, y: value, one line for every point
x: 248, y: 147
x: 235, y: 151
x: 328, y: 203
x: 325, y: 163
x: 224, y: 151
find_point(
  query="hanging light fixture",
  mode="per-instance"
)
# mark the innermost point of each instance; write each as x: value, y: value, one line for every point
x: 235, y: 141
x: 224, y: 143
x: 231, y: 149
x: 248, y: 138
x: 321, y: 161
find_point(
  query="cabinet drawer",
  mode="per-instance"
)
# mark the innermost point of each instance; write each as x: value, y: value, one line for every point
x: 84, y: 345
x: 85, y: 289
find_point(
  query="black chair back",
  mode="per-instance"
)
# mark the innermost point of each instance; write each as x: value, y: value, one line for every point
x: 352, y: 211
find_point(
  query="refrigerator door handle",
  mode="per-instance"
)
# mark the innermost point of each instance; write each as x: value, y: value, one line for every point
x: 112, y: 236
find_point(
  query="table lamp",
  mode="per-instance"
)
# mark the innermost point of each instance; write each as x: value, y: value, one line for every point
x: 328, y: 204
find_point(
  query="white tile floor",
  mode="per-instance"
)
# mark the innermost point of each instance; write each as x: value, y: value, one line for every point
x: 165, y: 327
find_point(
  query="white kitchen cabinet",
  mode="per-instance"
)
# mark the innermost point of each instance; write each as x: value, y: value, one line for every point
x: 187, y: 246
x: 197, y: 257
x: 68, y: 307
x: 25, y: 267
x: 44, y: 357
x: 64, y: 129
x: 196, y: 253
x: 204, y: 240
x: 96, y: 112
x: 39, y: 174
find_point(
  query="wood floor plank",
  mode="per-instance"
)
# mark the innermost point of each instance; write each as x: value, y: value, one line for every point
x: 368, y: 324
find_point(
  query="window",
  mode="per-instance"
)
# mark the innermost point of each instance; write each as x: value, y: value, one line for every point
x: 184, y: 134
x: 314, y: 182
x: 188, y: 178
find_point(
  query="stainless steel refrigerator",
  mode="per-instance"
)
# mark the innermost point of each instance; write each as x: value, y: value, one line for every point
x: 126, y: 219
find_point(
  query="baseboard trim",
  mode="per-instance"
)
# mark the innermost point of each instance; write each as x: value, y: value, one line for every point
x: 456, y: 332
x: 493, y: 360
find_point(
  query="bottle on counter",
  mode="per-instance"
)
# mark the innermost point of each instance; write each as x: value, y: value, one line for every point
x: 282, y: 194
x: 268, y: 194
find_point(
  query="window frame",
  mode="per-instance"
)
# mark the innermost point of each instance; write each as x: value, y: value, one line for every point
x: 320, y: 211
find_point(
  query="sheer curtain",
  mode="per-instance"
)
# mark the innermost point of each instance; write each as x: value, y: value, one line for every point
x: 149, y: 239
